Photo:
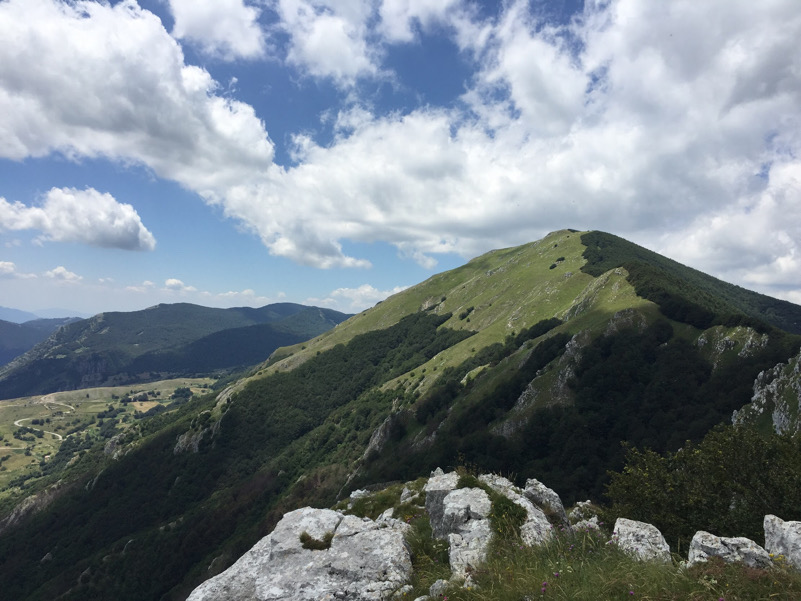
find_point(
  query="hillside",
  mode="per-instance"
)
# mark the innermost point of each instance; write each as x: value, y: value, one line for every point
x: 162, y: 341
x: 535, y: 361
x: 18, y: 338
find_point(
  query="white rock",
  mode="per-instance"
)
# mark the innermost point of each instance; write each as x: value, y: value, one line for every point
x: 366, y: 562
x: 468, y: 547
x: 438, y: 588
x: 536, y: 529
x: 640, y: 540
x: 438, y: 487
x: 545, y: 498
x: 590, y: 524
x: 783, y: 538
x: 742, y: 550
x: 583, y: 510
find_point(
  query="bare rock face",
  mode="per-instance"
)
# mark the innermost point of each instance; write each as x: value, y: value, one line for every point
x: 366, y: 561
x: 438, y: 487
x: 536, y: 529
x: 466, y: 521
x: 739, y: 549
x: 783, y: 538
x: 640, y: 540
x: 546, y: 499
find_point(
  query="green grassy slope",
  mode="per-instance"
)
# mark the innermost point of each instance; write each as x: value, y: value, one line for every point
x: 683, y: 291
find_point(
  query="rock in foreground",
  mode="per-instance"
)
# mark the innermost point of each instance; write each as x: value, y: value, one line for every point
x: 366, y: 561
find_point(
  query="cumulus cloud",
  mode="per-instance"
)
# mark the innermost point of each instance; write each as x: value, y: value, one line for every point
x: 399, y: 18
x: 8, y: 269
x: 757, y: 241
x: 354, y: 299
x: 62, y: 274
x: 84, y: 216
x: 633, y: 118
x: 177, y: 285
x: 636, y: 117
x: 228, y: 29
x: 329, y: 39
x: 89, y: 79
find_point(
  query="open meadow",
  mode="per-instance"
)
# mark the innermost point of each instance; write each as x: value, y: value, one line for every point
x: 33, y: 429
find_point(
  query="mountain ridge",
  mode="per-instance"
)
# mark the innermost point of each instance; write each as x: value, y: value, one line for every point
x: 517, y: 362
x: 119, y: 347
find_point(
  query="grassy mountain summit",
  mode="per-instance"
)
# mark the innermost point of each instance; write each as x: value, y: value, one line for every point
x: 536, y: 360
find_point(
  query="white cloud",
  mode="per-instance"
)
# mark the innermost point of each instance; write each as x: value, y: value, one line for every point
x: 353, y: 300
x: 228, y: 29
x: 330, y: 39
x: 176, y: 285
x: 146, y: 286
x: 400, y: 17
x: 638, y: 118
x: 8, y: 269
x: 93, y: 80
x: 62, y: 274
x: 634, y: 119
x: 756, y: 241
x: 84, y: 216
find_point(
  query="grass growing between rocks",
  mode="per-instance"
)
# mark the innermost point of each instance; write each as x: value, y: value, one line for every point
x: 585, y: 566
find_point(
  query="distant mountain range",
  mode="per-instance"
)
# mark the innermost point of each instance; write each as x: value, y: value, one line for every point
x: 536, y: 361
x: 19, y: 316
x: 18, y: 338
x: 159, y: 342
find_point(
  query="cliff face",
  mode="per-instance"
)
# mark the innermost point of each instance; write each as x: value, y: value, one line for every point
x: 776, y: 400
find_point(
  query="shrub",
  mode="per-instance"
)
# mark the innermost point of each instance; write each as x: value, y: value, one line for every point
x: 309, y: 542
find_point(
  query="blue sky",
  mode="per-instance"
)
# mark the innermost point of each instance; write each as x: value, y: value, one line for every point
x: 242, y: 152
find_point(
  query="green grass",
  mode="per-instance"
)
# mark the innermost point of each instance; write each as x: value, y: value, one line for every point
x: 68, y: 412
x: 584, y: 566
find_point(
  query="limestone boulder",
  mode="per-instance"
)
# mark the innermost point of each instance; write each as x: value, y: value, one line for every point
x: 466, y: 522
x: 731, y: 550
x: 438, y: 487
x: 536, y: 529
x: 640, y: 540
x: 366, y: 561
x: 783, y: 538
x: 546, y: 499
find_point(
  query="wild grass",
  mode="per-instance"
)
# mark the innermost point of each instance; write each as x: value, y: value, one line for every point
x: 585, y: 566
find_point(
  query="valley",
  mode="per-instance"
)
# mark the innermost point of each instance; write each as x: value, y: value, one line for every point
x: 33, y: 429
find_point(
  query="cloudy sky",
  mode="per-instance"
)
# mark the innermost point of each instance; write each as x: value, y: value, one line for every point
x: 242, y: 152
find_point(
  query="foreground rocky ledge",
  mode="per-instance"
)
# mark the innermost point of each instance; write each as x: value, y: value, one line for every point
x: 366, y: 560
x: 323, y: 554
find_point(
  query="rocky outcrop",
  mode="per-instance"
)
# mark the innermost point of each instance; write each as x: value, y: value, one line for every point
x: 536, y: 529
x: 739, y: 549
x: 640, y: 540
x: 366, y: 561
x: 466, y: 520
x: 783, y: 538
x: 546, y: 498
x: 438, y: 487
x: 776, y: 399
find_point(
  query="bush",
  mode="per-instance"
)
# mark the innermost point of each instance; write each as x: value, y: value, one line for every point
x: 309, y: 542
x: 726, y: 484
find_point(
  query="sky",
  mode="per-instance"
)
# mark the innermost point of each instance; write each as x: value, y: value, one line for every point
x: 334, y: 152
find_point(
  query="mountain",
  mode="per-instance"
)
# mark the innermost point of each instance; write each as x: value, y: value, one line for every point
x: 17, y: 338
x: 159, y: 342
x: 16, y: 315
x: 535, y: 361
